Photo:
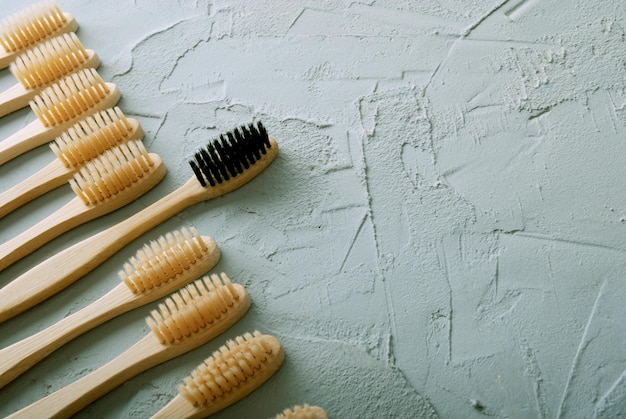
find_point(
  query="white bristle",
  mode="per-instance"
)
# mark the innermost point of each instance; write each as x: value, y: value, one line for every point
x: 49, y: 61
x: 112, y: 172
x: 69, y: 97
x: 227, y: 369
x: 92, y: 136
x: 192, y: 308
x: 162, y: 260
x: 31, y: 25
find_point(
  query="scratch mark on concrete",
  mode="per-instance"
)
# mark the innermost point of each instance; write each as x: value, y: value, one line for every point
x: 534, y: 372
x: 443, y: 258
x: 354, y: 239
x: 543, y: 237
x: 519, y: 9
x: 581, y: 347
x: 551, y: 275
x: 296, y: 19
x: 613, y: 396
x: 490, y: 13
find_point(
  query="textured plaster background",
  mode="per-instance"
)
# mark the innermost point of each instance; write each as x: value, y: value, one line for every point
x: 442, y: 234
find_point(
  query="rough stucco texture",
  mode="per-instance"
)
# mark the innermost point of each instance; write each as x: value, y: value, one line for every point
x: 442, y: 235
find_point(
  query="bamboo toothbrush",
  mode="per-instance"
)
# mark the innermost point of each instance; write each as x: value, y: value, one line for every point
x: 225, y: 165
x: 159, y: 268
x: 303, y: 412
x: 230, y: 374
x: 84, y: 141
x: 190, y: 318
x: 58, y: 107
x: 23, y: 29
x: 116, y: 178
x: 42, y: 65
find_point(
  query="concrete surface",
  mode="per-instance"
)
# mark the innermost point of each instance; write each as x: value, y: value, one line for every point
x: 442, y: 234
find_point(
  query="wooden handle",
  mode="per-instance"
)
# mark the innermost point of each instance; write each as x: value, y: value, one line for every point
x: 19, y: 357
x: 65, y: 402
x: 50, y: 177
x: 31, y: 136
x: 70, y: 26
x: 180, y: 408
x: 18, y: 97
x: 14, y: 98
x: 144, y: 355
x: 62, y: 269
x: 73, y: 214
x: 65, y: 218
x: 36, y: 134
x: 59, y: 271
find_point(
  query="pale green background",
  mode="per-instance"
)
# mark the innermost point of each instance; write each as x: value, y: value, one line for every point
x: 444, y: 225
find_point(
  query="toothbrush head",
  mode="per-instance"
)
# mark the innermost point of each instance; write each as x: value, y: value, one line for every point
x: 168, y: 259
x: 200, y: 311
x: 233, y: 372
x: 51, y: 60
x: 92, y: 136
x: 38, y: 22
x: 118, y: 176
x: 234, y: 158
x: 74, y: 96
x: 303, y: 412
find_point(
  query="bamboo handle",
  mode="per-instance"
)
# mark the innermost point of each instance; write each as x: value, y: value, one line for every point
x: 50, y: 177
x: 19, y: 357
x: 145, y: 354
x: 65, y: 267
x: 70, y: 26
x: 36, y: 134
x: 180, y: 408
x: 31, y: 136
x: 73, y: 214
x: 65, y: 218
x: 65, y: 402
x: 14, y: 98
x: 18, y: 97
x: 62, y: 269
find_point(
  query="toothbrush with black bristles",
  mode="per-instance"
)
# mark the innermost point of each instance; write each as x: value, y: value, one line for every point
x: 226, y: 164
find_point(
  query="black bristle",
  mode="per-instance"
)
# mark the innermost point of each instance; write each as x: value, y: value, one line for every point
x: 236, y: 141
x: 220, y: 170
x: 220, y: 148
x: 265, y: 139
x: 204, y: 159
x: 197, y: 172
x: 230, y: 154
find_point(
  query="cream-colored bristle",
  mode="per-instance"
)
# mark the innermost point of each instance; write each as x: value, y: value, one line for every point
x: 49, y: 61
x: 192, y: 308
x: 162, y: 260
x: 303, y: 412
x: 69, y: 97
x: 92, y: 136
x: 230, y: 367
x: 112, y: 172
x: 31, y: 25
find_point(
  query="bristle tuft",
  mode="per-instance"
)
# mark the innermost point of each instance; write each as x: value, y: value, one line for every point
x: 27, y: 27
x: 163, y: 260
x: 69, y: 97
x: 230, y: 154
x: 91, y: 137
x: 112, y: 172
x: 49, y: 61
x: 230, y: 368
x: 194, y: 307
x: 303, y: 412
